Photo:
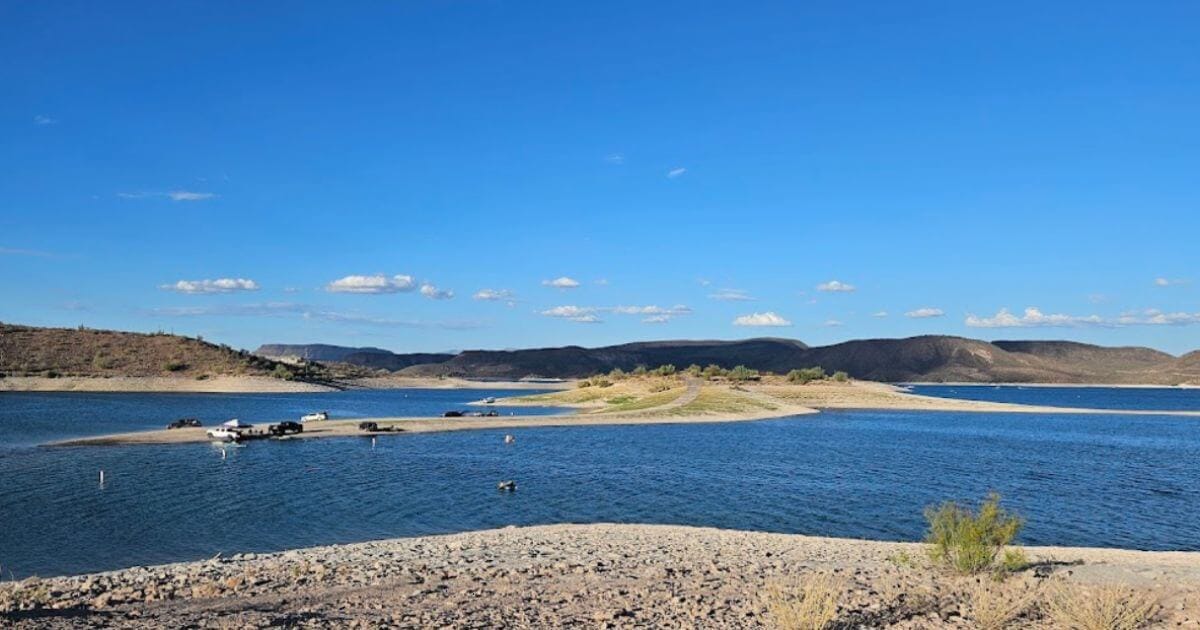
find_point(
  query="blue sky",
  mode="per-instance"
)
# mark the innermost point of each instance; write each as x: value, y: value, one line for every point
x: 297, y: 172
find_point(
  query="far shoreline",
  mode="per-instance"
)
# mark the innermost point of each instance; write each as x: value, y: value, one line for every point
x: 250, y: 384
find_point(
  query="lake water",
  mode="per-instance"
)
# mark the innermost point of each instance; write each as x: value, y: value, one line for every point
x: 1153, y: 398
x: 1095, y: 480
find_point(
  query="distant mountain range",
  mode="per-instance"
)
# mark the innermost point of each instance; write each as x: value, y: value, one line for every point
x: 924, y: 359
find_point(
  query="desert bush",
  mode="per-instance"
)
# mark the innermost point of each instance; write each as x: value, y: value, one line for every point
x: 175, y: 366
x: 742, y: 373
x: 806, y: 375
x: 1014, y: 560
x: 600, y: 381
x: 640, y: 370
x: 694, y: 370
x: 995, y: 605
x: 587, y: 382
x: 840, y: 376
x: 810, y: 603
x: 969, y: 542
x: 28, y: 594
x: 282, y: 372
x: 1111, y: 607
x: 665, y: 370
x: 616, y: 374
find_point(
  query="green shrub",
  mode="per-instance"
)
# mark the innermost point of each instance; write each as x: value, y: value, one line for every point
x: 584, y: 383
x: 806, y: 375
x: 742, y: 373
x: 713, y: 371
x: 840, y: 376
x: 665, y: 370
x: 281, y: 371
x: 966, y: 541
x: 617, y: 374
x: 694, y: 370
x: 640, y: 370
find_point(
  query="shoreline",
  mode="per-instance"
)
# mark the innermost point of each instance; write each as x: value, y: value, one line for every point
x: 613, y: 575
x: 246, y: 384
x: 771, y: 402
x: 1062, y: 385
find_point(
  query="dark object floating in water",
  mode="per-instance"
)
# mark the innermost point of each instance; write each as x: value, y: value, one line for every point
x: 507, y: 486
x: 184, y: 422
x: 285, y: 427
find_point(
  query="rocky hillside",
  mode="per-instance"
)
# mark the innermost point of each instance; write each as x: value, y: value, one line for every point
x: 925, y: 358
x: 31, y: 351
x: 372, y: 358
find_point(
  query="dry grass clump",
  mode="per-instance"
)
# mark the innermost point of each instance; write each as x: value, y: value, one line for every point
x: 996, y: 605
x: 809, y: 603
x: 1109, y: 607
x: 27, y: 594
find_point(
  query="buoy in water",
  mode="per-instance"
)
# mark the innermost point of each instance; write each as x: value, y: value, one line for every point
x: 509, y: 439
x: 507, y: 486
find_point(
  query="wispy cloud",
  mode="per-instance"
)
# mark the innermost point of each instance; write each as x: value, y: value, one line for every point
x: 925, y: 313
x: 676, y: 172
x: 494, y: 295
x: 832, y: 323
x: 880, y: 314
x: 16, y: 251
x: 1170, y: 282
x: 615, y: 158
x: 834, y: 286
x: 562, y: 282
x: 651, y: 314
x: 220, y: 285
x: 432, y: 292
x: 291, y: 309
x: 372, y: 285
x: 42, y: 119
x: 731, y: 295
x: 1035, y: 318
x: 769, y: 319
x: 173, y: 195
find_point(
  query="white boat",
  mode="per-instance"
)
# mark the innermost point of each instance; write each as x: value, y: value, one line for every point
x: 315, y: 417
x: 490, y: 400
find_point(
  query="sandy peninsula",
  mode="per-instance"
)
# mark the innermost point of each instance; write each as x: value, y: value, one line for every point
x: 638, y: 401
x: 605, y: 576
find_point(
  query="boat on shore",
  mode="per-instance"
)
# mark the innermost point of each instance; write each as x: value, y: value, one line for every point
x: 315, y: 417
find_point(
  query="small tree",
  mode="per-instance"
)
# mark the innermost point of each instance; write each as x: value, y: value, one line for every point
x: 840, y: 377
x: 966, y: 541
x: 665, y: 370
x: 282, y: 372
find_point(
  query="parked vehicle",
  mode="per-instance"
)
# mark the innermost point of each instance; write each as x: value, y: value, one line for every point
x: 492, y: 413
x: 368, y: 426
x: 285, y: 428
x: 491, y: 400
x: 223, y: 434
x: 452, y: 414
x: 315, y: 417
x: 184, y: 422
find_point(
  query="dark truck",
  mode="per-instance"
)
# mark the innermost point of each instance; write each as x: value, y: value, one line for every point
x: 285, y: 428
x: 184, y: 423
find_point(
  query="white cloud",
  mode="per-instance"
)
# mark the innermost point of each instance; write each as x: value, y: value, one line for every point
x: 834, y: 286
x: 731, y: 295
x: 494, y: 295
x: 42, y: 119
x: 1032, y: 318
x: 1035, y: 318
x: 879, y: 314
x: 832, y: 323
x: 676, y: 172
x: 602, y: 282
x: 615, y: 158
x: 768, y: 318
x: 432, y: 292
x: 925, y: 313
x: 703, y: 281
x: 220, y: 285
x: 375, y: 284
x: 1169, y: 282
x: 174, y: 195
x: 242, y: 310
x: 591, y: 314
x: 562, y: 282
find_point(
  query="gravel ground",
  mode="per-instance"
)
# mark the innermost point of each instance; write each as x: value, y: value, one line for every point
x: 575, y: 576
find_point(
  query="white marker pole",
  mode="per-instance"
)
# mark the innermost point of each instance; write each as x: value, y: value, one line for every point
x: 101, y: 477
x: 372, y: 442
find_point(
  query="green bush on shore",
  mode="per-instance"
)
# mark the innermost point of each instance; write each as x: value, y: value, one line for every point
x: 969, y: 542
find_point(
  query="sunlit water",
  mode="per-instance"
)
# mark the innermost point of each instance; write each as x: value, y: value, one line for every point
x: 1107, y: 480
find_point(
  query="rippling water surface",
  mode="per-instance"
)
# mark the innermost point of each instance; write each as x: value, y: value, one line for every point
x: 1109, y: 480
